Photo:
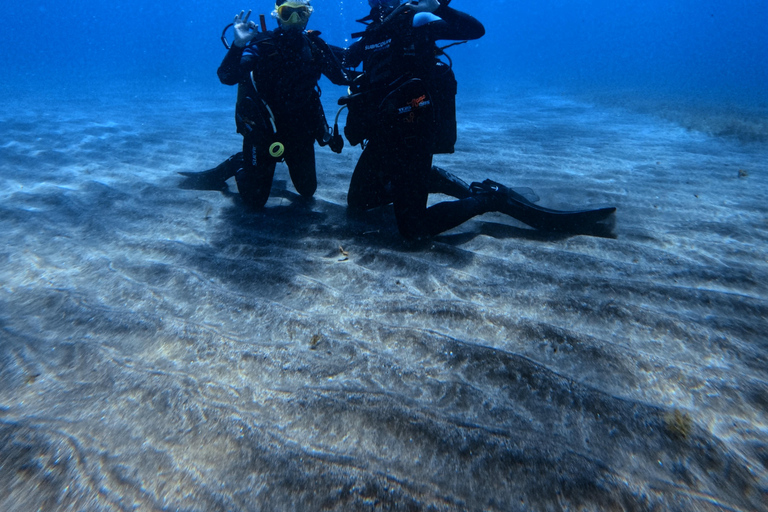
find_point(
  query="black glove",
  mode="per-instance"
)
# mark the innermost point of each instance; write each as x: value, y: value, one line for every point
x: 337, y: 141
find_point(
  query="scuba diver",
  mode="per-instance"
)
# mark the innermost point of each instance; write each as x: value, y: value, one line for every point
x: 402, y: 110
x: 278, y: 112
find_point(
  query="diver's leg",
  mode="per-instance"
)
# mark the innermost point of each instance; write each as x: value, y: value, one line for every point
x: 449, y: 214
x: 254, y: 180
x: 369, y: 186
x: 411, y: 191
x: 414, y: 219
x: 300, y: 158
x: 443, y: 182
x: 213, y: 179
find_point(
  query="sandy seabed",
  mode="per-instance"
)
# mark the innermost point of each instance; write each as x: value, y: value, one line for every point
x: 166, y: 349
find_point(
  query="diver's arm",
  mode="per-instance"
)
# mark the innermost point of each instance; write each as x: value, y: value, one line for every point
x: 331, y: 63
x: 229, y: 71
x: 336, y: 74
x: 237, y: 63
x: 236, y: 60
x: 454, y: 24
x: 353, y: 55
x: 338, y: 52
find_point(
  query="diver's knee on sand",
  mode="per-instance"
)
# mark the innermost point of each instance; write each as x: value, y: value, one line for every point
x: 253, y: 191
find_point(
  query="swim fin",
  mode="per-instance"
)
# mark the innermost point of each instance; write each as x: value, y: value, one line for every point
x: 597, y: 222
x: 213, y: 179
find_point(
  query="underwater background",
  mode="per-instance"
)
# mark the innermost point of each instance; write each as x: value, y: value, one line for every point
x: 164, y: 348
x: 699, y: 52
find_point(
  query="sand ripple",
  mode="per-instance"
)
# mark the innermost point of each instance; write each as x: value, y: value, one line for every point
x: 165, y: 349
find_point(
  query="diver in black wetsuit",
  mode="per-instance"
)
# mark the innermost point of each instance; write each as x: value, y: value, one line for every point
x: 401, y: 71
x: 278, y: 108
x: 403, y: 105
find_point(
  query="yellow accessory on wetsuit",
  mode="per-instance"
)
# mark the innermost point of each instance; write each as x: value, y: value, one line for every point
x: 293, y: 13
x: 276, y: 149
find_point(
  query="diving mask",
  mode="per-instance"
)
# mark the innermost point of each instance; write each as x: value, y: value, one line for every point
x: 293, y: 14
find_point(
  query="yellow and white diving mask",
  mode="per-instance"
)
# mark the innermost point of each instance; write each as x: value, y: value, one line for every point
x: 292, y: 14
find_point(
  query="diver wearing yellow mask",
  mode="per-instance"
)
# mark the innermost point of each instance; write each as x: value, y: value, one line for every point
x: 293, y: 15
x: 278, y: 108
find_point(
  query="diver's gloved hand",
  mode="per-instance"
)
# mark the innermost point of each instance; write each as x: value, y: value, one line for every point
x: 336, y: 144
x: 245, y: 30
x: 337, y: 141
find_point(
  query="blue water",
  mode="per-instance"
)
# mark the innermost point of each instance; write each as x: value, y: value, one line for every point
x: 689, y: 48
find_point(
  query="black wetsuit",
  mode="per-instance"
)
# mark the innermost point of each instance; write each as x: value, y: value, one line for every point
x: 278, y: 101
x: 396, y: 165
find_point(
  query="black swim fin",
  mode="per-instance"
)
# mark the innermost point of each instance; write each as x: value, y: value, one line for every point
x: 597, y: 222
x: 213, y: 179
